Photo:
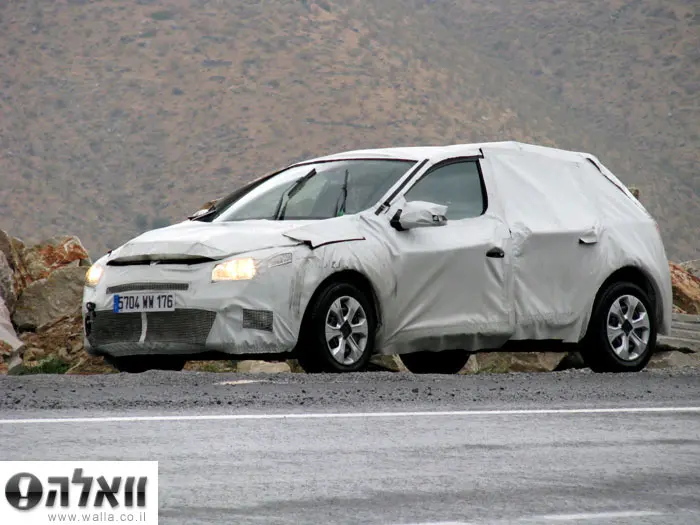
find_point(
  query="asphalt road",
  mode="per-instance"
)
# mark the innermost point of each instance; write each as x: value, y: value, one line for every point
x: 380, y: 448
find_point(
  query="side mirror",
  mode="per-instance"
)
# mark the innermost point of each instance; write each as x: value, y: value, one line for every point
x: 419, y: 214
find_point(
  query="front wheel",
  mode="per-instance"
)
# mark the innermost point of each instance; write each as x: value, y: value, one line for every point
x: 445, y: 362
x: 338, y: 331
x: 621, y: 335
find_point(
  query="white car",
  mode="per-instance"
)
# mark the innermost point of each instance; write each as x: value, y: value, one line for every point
x: 432, y: 253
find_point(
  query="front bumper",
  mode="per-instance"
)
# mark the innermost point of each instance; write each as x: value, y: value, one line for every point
x: 255, y: 316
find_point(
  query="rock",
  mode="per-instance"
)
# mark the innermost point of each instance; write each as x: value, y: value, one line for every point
x: 62, y: 338
x: 571, y: 361
x: 5, y: 354
x: 211, y: 366
x: 6, y: 246
x: 41, y: 260
x: 8, y: 337
x: 295, y: 367
x: 686, y: 289
x: 386, y: 363
x: 265, y: 367
x: 51, y: 298
x: 15, y: 364
x: 89, y: 365
x: 15, y: 260
x: 692, y: 267
x: 674, y: 360
x: 7, y: 283
x: 503, y: 362
x: 33, y: 355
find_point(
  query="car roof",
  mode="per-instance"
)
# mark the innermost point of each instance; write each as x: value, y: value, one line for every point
x: 458, y: 150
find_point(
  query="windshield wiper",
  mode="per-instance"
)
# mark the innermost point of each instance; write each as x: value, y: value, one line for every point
x: 281, y: 209
x: 340, y: 205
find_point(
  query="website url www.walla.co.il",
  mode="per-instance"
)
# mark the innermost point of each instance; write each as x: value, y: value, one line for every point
x: 98, y: 517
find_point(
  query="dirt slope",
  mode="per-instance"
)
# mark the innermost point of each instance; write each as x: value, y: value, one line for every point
x: 116, y: 116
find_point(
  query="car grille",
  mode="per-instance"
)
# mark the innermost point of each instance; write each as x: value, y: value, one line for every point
x: 139, y: 287
x: 108, y: 327
x: 257, y: 319
x: 181, y: 326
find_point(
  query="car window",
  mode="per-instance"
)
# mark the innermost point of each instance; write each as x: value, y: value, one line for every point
x: 456, y: 185
x: 332, y: 188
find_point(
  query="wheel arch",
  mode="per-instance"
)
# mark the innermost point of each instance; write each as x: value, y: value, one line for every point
x: 635, y: 275
x: 354, y: 277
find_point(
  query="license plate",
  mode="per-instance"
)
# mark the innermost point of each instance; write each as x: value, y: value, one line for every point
x: 144, y: 302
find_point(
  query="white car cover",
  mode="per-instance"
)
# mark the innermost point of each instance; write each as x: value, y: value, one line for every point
x: 562, y: 222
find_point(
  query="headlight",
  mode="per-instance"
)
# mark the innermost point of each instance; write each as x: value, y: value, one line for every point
x: 93, y: 275
x: 235, y: 270
x: 279, y: 260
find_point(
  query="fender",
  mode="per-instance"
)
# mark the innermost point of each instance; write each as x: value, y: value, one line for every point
x: 329, y: 231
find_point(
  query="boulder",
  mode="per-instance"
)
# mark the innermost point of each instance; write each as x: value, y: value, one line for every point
x: 62, y: 338
x: 6, y: 246
x: 692, y: 267
x: 13, y: 254
x: 386, y: 363
x: 89, y: 365
x: 674, y: 360
x: 5, y: 354
x: 40, y: 260
x: 11, y: 346
x: 678, y: 310
x: 8, y: 337
x: 50, y: 298
x: 295, y: 367
x: 7, y: 283
x: 10, y: 360
x: 211, y: 366
x: 503, y: 362
x: 265, y: 367
x: 686, y: 289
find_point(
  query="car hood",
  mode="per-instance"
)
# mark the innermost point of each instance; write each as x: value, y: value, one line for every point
x: 193, y: 240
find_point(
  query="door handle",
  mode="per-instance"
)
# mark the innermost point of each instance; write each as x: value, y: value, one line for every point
x: 496, y: 253
x: 588, y: 238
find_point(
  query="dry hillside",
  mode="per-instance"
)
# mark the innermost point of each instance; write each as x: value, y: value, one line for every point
x: 120, y: 115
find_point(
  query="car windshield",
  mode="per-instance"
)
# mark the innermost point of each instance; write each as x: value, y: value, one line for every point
x: 317, y: 191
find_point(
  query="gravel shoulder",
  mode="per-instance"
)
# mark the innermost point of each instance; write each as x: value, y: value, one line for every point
x: 201, y: 391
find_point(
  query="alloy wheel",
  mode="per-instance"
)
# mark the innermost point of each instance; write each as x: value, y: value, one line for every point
x: 346, y: 330
x: 628, y: 327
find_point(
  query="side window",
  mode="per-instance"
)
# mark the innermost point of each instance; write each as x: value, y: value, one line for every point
x: 456, y: 185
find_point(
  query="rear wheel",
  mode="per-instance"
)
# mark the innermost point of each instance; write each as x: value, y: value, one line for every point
x: 338, y: 331
x: 138, y: 364
x: 621, y: 335
x: 445, y: 362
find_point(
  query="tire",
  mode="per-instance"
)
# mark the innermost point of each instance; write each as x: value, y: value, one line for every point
x: 445, y: 362
x: 350, y: 341
x: 607, y: 353
x: 139, y: 364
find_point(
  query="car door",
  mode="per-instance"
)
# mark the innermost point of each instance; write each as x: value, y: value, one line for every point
x: 556, y: 238
x: 453, y: 281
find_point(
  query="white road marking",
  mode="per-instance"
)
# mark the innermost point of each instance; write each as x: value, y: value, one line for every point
x: 241, y: 382
x: 599, y: 516
x: 439, y: 523
x: 586, y: 516
x: 350, y: 415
